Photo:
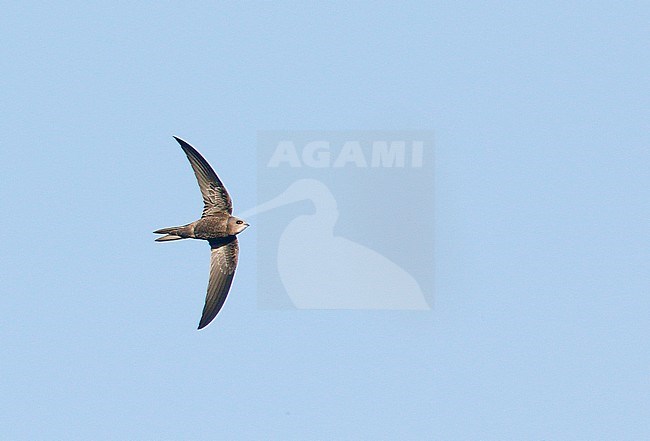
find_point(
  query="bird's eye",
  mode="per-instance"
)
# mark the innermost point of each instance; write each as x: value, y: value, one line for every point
x: 240, y: 222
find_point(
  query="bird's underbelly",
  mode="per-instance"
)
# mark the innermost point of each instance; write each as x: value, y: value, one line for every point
x: 210, y: 228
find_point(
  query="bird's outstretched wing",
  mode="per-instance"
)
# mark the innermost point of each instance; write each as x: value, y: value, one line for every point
x: 215, y: 196
x: 223, y: 262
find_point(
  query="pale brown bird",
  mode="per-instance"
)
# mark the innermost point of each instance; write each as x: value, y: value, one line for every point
x: 217, y: 226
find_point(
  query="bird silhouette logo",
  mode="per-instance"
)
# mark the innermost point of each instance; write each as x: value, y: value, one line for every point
x: 320, y: 270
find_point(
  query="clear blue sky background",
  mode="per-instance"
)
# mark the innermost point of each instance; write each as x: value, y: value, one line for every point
x: 541, y: 321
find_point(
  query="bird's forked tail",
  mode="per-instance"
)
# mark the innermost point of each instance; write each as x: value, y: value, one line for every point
x: 174, y: 233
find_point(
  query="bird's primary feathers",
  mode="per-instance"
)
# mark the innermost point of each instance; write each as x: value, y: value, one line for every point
x: 217, y: 226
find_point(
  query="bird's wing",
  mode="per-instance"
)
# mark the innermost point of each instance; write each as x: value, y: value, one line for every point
x: 215, y: 196
x: 223, y: 262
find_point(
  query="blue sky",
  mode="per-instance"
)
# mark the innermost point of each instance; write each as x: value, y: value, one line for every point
x: 540, y: 324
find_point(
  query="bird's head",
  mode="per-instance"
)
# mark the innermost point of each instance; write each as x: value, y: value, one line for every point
x: 236, y: 225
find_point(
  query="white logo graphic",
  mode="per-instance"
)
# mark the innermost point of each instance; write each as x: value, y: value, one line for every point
x: 320, y: 270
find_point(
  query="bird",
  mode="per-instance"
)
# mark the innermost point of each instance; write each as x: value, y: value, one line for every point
x: 218, y: 226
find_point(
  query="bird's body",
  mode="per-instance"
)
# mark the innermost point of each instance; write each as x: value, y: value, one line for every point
x: 218, y: 226
x: 214, y: 226
x: 211, y: 227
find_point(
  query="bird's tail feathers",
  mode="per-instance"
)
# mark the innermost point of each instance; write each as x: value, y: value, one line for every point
x: 174, y: 233
x: 168, y: 237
